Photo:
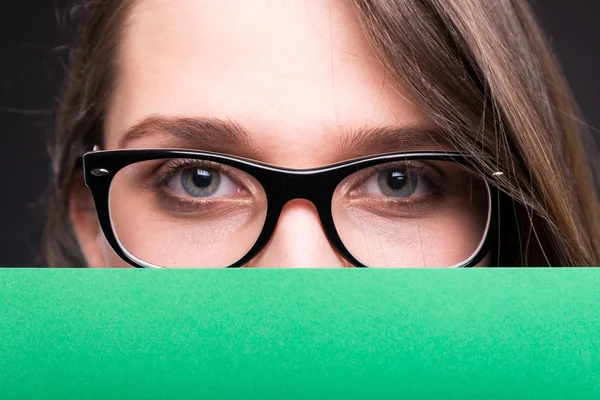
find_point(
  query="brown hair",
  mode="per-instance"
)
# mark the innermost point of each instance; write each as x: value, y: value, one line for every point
x: 481, y: 69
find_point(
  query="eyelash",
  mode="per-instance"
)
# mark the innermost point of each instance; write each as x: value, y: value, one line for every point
x: 435, y: 180
x: 170, y: 168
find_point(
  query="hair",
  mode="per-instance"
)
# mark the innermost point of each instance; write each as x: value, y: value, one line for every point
x: 481, y: 69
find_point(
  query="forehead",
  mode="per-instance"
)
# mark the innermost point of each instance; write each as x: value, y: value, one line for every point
x: 296, y: 73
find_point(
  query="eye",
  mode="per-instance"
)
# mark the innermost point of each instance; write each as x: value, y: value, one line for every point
x: 397, y: 182
x: 200, y: 182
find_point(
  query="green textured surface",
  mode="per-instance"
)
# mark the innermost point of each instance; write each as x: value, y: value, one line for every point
x: 310, y: 334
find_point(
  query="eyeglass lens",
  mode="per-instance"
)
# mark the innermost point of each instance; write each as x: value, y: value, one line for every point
x: 189, y: 213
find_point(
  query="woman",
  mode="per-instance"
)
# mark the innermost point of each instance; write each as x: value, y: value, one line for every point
x: 367, y: 133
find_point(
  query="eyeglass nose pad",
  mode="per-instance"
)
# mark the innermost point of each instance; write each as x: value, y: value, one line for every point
x: 298, y: 240
x: 303, y: 186
x: 295, y: 186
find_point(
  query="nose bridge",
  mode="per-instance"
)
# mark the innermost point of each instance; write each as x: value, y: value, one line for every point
x: 298, y: 240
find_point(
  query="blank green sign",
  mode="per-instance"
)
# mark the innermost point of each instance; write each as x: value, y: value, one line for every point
x: 300, y: 334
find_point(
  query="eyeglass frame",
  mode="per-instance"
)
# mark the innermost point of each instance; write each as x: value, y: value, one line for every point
x: 280, y: 185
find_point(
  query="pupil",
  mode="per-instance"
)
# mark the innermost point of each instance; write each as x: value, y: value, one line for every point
x: 396, y: 180
x: 202, y: 178
x: 198, y: 182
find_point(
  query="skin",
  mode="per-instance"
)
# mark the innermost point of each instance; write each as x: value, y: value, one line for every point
x: 298, y: 75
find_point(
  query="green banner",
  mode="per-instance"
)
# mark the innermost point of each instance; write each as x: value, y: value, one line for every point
x: 300, y: 334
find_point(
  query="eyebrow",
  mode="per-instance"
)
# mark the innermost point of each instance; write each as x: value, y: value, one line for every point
x: 388, y: 139
x: 210, y: 134
x: 226, y: 136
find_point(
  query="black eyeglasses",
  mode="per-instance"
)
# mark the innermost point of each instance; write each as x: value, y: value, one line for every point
x: 179, y: 208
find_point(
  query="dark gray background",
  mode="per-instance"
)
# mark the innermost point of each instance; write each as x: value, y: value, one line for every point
x: 31, y: 73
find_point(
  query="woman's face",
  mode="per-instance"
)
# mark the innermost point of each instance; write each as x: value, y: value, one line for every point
x: 302, y: 86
